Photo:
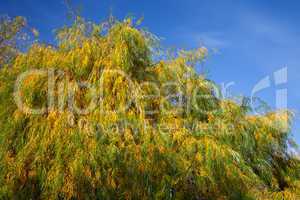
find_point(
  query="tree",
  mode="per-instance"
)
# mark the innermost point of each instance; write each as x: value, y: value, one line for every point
x: 117, y: 125
x: 9, y: 29
x: 14, y: 33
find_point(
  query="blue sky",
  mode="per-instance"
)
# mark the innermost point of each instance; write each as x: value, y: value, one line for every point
x: 253, y: 38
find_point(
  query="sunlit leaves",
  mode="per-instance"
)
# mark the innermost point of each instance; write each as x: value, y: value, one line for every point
x: 154, y: 130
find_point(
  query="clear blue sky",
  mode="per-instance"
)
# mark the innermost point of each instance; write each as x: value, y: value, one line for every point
x: 254, y: 38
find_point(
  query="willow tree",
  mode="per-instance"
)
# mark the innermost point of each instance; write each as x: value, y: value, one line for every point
x: 101, y: 116
x: 15, y: 35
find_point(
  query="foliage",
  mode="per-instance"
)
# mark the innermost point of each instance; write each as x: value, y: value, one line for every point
x: 185, y: 148
x: 14, y: 36
x: 9, y: 29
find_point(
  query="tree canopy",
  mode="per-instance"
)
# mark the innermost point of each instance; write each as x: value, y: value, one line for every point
x: 103, y: 117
